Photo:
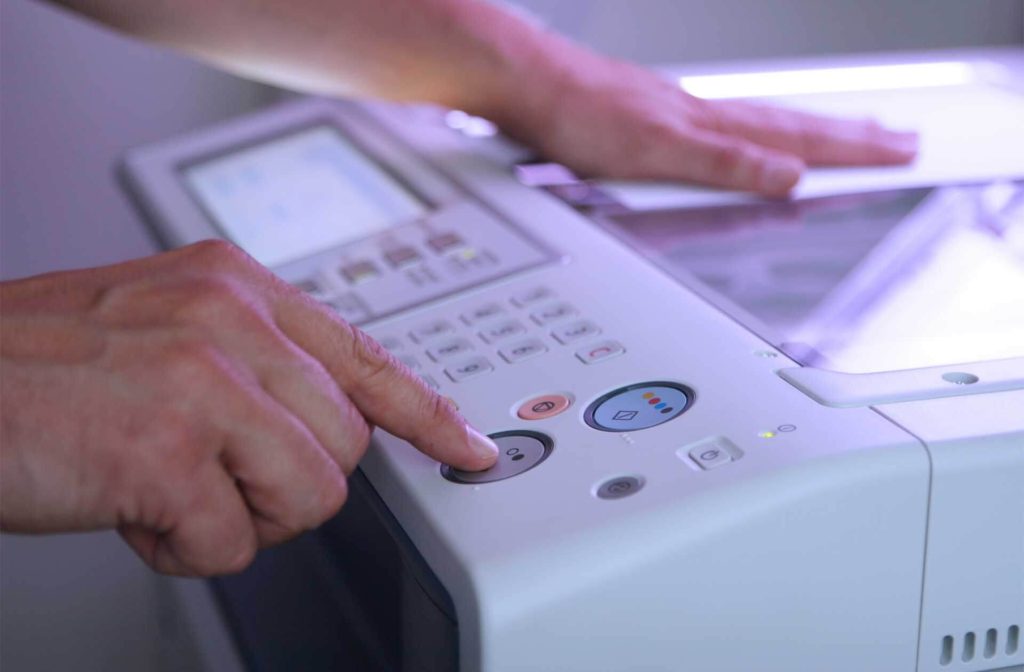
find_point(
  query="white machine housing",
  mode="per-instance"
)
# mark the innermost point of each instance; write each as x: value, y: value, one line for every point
x: 861, y: 521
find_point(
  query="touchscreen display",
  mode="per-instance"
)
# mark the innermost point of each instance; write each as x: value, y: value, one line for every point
x: 299, y: 194
x: 857, y: 283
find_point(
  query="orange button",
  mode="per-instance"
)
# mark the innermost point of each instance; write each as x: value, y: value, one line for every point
x: 544, y: 406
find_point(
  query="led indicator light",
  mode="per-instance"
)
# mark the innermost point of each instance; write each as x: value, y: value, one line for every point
x: 767, y: 435
x: 648, y: 395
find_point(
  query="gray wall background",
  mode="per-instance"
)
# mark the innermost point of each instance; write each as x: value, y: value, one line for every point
x: 74, y: 96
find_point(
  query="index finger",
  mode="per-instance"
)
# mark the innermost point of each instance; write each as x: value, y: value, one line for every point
x: 387, y: 393
x: 816, y: 139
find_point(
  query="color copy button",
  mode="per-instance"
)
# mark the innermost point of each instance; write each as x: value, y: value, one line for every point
x: 544, y: 406
x: 638, y: 406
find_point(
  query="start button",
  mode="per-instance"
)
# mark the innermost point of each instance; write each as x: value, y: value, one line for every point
x: 638, y: 406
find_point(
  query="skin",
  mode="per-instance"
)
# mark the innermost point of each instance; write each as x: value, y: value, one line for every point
x: 206, y: 409
x: 198, y: 404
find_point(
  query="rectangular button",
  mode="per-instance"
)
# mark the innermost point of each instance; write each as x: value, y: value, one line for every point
x: 401, y: 256
x: 449, y: 349
x: 431, y: 330
x: 599, y: 352
x: 503, y: 330
x: 482, y: 313
x: 553, y: 313
x: 468, y: 368
x: 391, y: 343
x: 532, y: 296
x: 350, y: 307
x: 712, y: 453
x: 360, y: 271
x: 429, y: 380
x: 410, y: 362
x: 442, y: 242
x: 517, y: 352
x: 576, y: 331
x: 313, y: 287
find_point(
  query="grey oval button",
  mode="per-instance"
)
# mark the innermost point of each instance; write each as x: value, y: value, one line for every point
x: 619, y: 487
x: 518, y: 451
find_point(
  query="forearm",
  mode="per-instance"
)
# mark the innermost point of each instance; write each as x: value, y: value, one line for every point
x: 460, y: 53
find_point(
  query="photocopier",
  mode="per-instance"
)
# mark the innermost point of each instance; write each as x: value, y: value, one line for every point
x: 736, y: 434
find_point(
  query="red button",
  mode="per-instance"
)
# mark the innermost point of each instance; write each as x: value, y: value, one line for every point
x: 544, y: 406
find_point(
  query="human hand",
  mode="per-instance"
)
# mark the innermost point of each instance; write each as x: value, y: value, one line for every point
x: 198, y: 404
x: 606, y: 118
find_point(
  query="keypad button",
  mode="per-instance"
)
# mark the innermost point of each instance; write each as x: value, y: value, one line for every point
x: 442, y: 242
x: 503, y: 330
x: 517, y: 352
x: 359, y: 272
x: 553, y: 313
x: 468, y: 368
x: 350, y: 307
x: 391, y: 343
x: 599, y: 352
x: 449, y: 349
x: 532, y: 296
x: 432, y: 330
x: 398, y: 257
x: 483, y: 313
x: 576, y: 331
x: 410, y: 362
x: 313, y: 287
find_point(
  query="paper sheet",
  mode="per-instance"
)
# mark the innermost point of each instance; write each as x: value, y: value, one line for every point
x: 968, y: 133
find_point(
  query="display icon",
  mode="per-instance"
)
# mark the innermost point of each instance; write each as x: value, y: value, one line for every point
x: 624, y: 416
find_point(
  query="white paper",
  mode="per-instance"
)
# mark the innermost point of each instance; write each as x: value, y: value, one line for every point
x: 968, y: 133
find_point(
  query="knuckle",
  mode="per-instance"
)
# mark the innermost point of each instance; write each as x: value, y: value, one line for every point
x: 330, y: 499
x: 369, y: 356
x: 191, y: 361
x: 727, y: 159
x: 437, y: 410
x: 242, y: 555
x: 216, y: 253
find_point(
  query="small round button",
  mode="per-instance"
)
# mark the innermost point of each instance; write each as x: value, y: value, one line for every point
x: 518, y: 451
x: 619, y: 487
x: 544, y: 406
x: 638, y: 406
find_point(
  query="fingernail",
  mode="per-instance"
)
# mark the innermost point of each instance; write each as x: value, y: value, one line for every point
x: 481, y: 444
x: 781, y: 175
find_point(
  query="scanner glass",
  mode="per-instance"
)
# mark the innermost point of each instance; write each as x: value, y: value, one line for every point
x: 296, y: 195
x: 859, y: 283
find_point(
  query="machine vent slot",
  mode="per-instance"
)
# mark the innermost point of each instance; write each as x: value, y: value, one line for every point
x: 991, y: 640
x: 947, y: 650
x: 990, y: 647
x: 968, y: 654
